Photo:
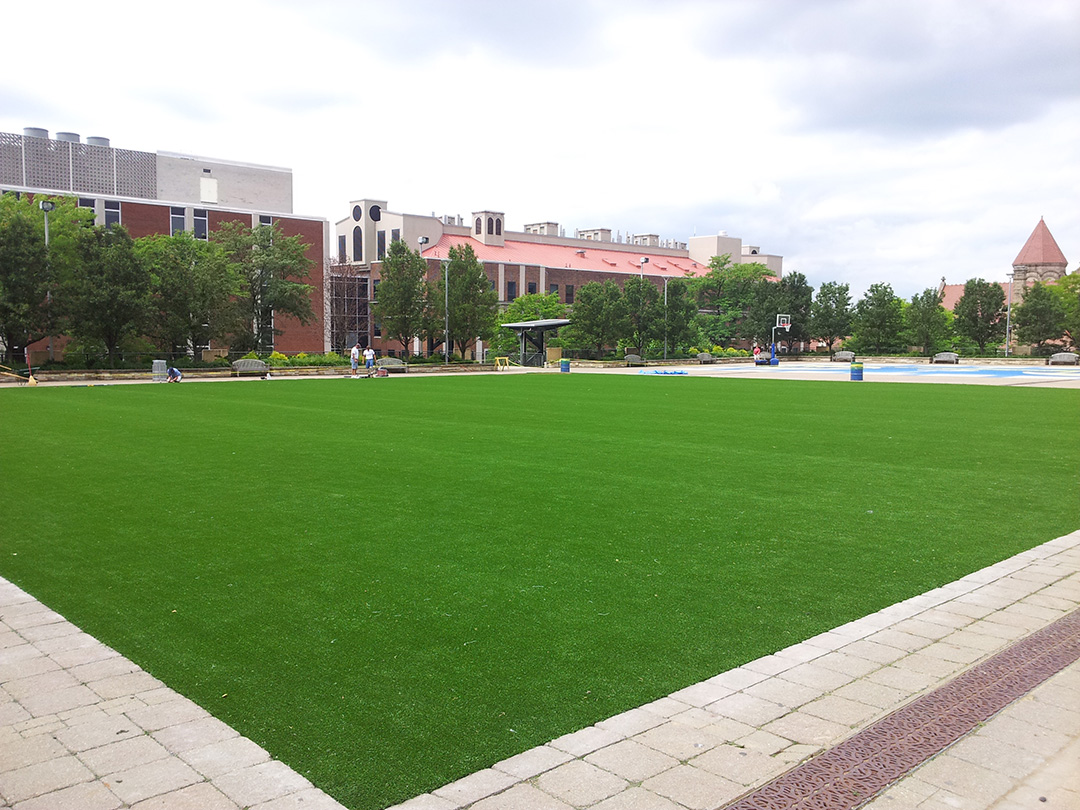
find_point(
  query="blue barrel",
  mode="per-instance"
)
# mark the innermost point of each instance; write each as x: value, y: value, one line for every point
x: 856, y: 371
x: 564, y: 366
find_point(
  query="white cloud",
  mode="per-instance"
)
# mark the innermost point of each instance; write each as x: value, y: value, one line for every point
x: 865, y: 141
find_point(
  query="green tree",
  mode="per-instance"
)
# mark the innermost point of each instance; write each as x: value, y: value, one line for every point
x: 400, y: 308
x: 831, y: 313
x: 531, y: 307
x: 794, y: 298
x: 28, y: 270
x: 643, y: 310
x: 107, y: 298
x: 1041, y: 317
x: 724, y: 295
x: 194, y: 290
x: 272, y: 269
x: 765, y: 304
x: 679, y: 310
x: 1067, y: 291
x: 599, y: 318
x: 980, y: 313
x: 927, y: 321
x: 473, y: 302
x: 878, y: 320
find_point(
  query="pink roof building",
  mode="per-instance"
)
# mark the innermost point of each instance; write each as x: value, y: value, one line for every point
x: 1040, y: 259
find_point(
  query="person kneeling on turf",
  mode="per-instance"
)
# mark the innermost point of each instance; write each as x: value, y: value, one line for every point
x: 174, y: 375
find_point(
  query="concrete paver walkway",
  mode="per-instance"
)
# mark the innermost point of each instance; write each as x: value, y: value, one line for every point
x: 81, y: 727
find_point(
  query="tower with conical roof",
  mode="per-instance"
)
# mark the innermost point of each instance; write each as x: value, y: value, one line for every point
x: 1040, y: 259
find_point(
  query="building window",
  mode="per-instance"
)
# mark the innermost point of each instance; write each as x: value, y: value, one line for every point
x: 553, y: 289
x: 112, y: 213
x: 202, y: 224
x: 498, y: 227
x: 380, y: 249
x: 176, y: 220
x: 357, y: 244
x: 266, y: 219
x: 395, y: 234
x: 341, y: 247
x: 491, y: 225
x: 85, y: 202
x: 357, y: 213
x: 376, y: 327
x: 479, y: 226
x: 511, y: 290
x: 532, y: 288
x: 569, y: 293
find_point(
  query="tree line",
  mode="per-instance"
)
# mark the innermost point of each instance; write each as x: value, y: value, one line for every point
x: 173, y: 294
x: 732, y: 304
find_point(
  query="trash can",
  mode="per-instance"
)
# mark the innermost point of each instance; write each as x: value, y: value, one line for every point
x: 564, y: 366
x: 856, y: 371
x: 159, y: 370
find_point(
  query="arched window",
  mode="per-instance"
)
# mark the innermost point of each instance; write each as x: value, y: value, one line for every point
x: 498, y: 227
x: 479, y: 227
x: 357, y: 244
x: 491, y: 225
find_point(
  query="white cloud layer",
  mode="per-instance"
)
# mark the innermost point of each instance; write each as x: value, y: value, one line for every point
x: 864, y: 140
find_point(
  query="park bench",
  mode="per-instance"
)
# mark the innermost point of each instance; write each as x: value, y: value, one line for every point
x: 248, y: 365
x: 844, y: 357
x: 1063, y: 359
x: 705, y: 358
x: 634, y: 360
x: 946, y: 357
x: 392, y: 365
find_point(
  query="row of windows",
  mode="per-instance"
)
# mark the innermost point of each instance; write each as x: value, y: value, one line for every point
x: 200, y: 222
x: 494, y: 226
x: 358, y: 244
x: 511, y: 291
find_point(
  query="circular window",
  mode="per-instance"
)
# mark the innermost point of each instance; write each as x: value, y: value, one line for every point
x: 357, y: 212
x: 375, y: 213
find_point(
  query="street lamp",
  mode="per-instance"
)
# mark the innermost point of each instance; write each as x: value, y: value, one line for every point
x: 421, y: 241
x: 1008, y: 316
x: 46, y: 206
x: 446, y: 312
x: 644, y: 260
x: 665, y: 316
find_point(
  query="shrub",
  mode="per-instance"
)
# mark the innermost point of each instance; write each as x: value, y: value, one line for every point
x: 277, y: 359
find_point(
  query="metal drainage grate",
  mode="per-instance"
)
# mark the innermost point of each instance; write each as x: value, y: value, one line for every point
x: 853, y: 772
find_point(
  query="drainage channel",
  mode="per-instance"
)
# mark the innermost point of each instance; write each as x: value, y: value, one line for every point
x: 854, y: 771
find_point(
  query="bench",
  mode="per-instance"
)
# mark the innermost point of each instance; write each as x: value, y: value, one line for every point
x: 634, y: 360
x: 705, y: 358
x: 946, y: 357
x: 248, y: 365
x: 844, y: 357
x: 1063, y: 359
x: 393, y: 365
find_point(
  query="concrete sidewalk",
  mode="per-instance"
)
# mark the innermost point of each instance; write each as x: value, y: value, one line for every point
x: 81, y: 727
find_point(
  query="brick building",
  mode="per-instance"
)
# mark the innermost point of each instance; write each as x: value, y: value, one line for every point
x: 538, y: 259
x: 165, y: 192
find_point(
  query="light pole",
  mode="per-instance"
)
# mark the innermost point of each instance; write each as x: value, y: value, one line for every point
x: 420, y: 242
x: 644, y: 260
x: 446, y: 312
x: 665, y: 317
x: 46, y: 206
x: 1008, y: 317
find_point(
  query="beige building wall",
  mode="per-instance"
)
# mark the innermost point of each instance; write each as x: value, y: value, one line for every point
x: 206, y: 181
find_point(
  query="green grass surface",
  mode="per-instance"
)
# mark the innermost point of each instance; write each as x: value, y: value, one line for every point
x: 390, y: 584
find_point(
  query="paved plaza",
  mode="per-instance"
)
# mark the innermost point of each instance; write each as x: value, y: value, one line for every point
x: 83, y: 728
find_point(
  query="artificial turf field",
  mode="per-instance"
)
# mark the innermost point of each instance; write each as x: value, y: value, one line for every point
x: 392, y: 583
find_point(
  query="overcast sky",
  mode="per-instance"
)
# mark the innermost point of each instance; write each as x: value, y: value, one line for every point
x: 863, y: 140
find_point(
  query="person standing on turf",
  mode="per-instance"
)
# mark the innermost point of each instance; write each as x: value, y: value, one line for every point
x: 354, y: 358
x: 369, y: 359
